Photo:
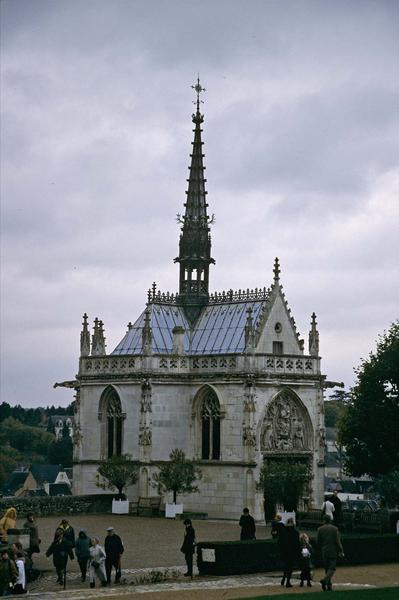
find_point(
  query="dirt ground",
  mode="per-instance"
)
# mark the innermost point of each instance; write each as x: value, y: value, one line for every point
x: 148, y: 542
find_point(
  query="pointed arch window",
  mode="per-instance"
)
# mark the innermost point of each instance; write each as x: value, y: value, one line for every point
x: 112, y: 418
x: 210, y: 427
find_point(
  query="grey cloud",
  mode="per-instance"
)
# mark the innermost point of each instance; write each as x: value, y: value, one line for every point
x: 301, y: 143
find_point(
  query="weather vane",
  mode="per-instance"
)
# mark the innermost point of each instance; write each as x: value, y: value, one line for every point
x: 198, y: 88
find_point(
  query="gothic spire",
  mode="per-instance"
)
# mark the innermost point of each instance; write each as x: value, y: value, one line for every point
x: 195, y: 242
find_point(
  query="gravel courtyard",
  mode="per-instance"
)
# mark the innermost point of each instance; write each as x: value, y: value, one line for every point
x: 148, y: 542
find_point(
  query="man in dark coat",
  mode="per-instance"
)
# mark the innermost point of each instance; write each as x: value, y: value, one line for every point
x: 247, y: 524
x: 188, y: 547
x: 113, y: 549
x: 330, y: 546
x: 61, y: 549
x: 290, y: 549
x: 337, y: 508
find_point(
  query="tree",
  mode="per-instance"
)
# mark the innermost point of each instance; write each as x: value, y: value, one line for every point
x: 177, y: 476
x: 9, y: 458
x: 60, y: 451
x: 369, y: 427
x: 387, y: 487
x: 283, y: 482
x: 24, y: 438
x: 335, y: 407
x: 119, y: 472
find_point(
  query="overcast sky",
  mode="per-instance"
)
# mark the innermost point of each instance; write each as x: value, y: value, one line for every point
x: 301, y: 147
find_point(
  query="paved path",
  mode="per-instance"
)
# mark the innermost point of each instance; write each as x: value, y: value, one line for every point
x: 207, y: 588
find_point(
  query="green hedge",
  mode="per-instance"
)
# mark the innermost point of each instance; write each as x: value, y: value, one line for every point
x: 45, y: 506
x: 255, y: 556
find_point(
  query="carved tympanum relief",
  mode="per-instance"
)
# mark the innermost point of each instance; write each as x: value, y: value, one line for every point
x: 285, y: 425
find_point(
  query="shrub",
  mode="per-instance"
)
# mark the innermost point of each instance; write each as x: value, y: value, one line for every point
x: 44, y: 506
x: 253, y: 556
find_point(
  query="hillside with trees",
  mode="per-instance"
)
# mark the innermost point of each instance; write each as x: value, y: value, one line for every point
x: 26, y: 437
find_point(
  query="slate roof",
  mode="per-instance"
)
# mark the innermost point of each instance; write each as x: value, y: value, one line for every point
x: 14, y: 482
x: 220, y: 328
x: 44, y: 473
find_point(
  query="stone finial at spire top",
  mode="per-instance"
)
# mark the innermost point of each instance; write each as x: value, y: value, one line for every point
x: 146, y: 333
x: 249, y: 331
x: 313, y: 337
x: 276, y: 270
x: 85, y: 338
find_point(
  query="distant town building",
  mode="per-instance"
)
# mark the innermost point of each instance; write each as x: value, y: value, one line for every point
x: 39, y: 479
x: 57, y: 423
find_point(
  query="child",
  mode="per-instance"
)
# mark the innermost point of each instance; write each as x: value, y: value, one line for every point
x: 305, y: 560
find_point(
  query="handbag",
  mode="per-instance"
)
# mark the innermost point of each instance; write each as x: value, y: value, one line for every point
x: 95, y: 564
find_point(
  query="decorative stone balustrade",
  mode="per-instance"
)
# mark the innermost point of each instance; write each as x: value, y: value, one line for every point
x: 224, y: 363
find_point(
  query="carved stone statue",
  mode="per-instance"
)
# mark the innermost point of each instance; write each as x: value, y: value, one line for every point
x: 248, y: 436
x: 145, y: 437
x: 284, y: 426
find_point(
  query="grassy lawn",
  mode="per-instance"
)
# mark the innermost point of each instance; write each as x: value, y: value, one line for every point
x: 369, y: 594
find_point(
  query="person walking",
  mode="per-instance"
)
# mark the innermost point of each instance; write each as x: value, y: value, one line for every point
x: 16, y: 549
x: 188, y: 547
x: 68, y: 531
x: 97, y: 563
x: 290, y: 550
x: 336, y: 501
x: 34, y: 540
x: 20, y: 584
x: 82, y: 547
x: 248, y: 527
x: 330, y: 546
x: 8, y: 521
x: 305, y: 561
x: 328, y: 508
x: 61, y: 549
x: 8, y: 574
x: 113, y: 549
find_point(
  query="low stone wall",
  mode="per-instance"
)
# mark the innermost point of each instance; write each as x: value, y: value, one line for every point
x: 46, y: 506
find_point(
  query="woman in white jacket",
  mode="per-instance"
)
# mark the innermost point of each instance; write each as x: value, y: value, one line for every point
x: 20, y: 584
x: 97, y: 563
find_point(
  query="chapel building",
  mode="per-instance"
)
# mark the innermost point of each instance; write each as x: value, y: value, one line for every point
x: 223, y: 376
